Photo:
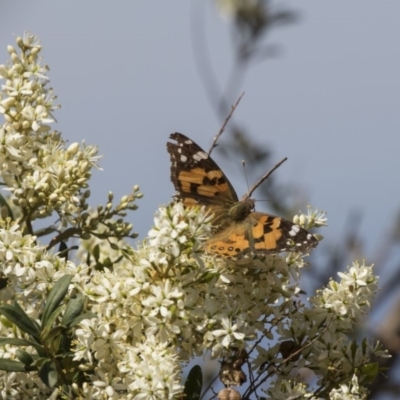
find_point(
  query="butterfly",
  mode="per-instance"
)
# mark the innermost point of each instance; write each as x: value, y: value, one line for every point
x: 238, y: 229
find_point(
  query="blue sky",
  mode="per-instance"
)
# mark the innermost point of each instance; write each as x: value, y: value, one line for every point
x: 126, y: 77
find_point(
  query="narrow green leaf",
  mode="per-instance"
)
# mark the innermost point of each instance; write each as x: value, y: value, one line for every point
x: 63, y: 250
x: 3, y: 282
x: 193, y: 384
x: 24, y: 357
x: 76, y: 320
x: 15, y: 342
x: 74, y: 308
x: 51, y: 320
x: 21, y: 342
x: 17, y: 316
x: 114, y: 246
x: 4, y: 203
x: 353, y: 348
x: 108, y: 263
x: 48, y: 374
x: 369, y: 372
x: 55, y: 297
x: 55, y: 332
x: 11, y: 365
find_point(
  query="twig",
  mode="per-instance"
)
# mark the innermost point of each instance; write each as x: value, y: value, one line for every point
x: 262, y: 179
x: 221, y: 130
x: 63, y: 236
x: 254, y: 386
x: 209, y: 386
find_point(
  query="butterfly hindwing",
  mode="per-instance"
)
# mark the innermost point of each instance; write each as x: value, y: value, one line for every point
x: 261, y: 233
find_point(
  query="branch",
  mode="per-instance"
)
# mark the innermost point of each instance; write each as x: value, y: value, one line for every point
x: 283, y: 362
x: 63, y: 236
x: 216, y: 137
x: 262, y: 179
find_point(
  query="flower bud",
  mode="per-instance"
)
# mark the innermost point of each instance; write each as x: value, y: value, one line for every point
x: 10, y: 49
x: 73, y: 148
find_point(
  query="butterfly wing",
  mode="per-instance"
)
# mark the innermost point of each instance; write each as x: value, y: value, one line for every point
x: 261, y: 233
x: 198, y: 179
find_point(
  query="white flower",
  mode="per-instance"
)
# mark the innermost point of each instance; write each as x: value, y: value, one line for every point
x: 229, y: 335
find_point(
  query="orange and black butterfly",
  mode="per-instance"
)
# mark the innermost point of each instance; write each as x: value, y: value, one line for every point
x: 238, y: 228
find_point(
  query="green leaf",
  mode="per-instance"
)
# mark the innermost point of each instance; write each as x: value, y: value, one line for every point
x: 48, y: 373
x: 353, y: 348
x: 15, y: 342
x: 76, y: 320
x: 51, y: 320
x: 369, y: 372
x: 55, y: 297
x: 114, y: 246
x: 11, y: 365
x: 21, y: 342
x: 3, y: 282
x: 63, y: 250
x: 74, y: 308
x: 193, y: 384
x: 17, y: 316
x: 51, y: 334
x: 24, y: 357
x: 4, y: 203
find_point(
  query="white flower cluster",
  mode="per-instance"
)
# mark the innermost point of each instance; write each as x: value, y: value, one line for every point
x: 29, y: 268
x: 322, y: 336
x: 169, y: 303
x: 172, y: 233
x: 173, y: 296
x: 291, y: 390
x: 41, y: 173
x: 352, y: 391
x: 313, y: 218
x: 159, y: 306
x: 30, y: 272
x: 351, y: 297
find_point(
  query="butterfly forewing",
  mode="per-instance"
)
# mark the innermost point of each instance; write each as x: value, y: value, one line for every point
x: 195, y: 174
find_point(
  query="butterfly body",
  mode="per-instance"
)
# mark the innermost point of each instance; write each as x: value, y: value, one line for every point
x: 237, y: 228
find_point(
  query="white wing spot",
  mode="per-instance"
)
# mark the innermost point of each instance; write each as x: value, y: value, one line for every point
x: 183, y: 158
x: 188, y: 141
x: 294, y: 231
x: 179, y: 150
x: 309, y: 236
x: 200, y: 155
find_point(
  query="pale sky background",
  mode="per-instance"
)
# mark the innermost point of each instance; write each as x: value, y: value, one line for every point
x: 125, y: 75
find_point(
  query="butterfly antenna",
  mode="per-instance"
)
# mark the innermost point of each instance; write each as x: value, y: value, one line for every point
x: 221, y: 130
x: 263, y: 178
